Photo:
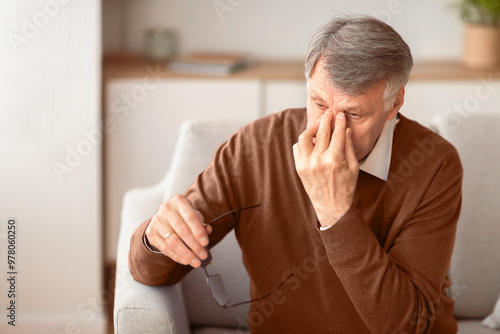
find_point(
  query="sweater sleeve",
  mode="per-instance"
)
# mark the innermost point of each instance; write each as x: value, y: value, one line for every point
x: 399, y: 290
x: 212, y: 194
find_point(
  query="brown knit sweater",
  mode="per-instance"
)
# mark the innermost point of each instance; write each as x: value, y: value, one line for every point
x: 381, y: 268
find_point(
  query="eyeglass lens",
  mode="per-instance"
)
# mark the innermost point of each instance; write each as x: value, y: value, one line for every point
x: 218, y: 289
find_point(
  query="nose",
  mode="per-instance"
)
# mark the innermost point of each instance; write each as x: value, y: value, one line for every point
x: 334, y: 117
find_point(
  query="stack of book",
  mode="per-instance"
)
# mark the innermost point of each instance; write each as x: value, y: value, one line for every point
x: 210, y: 63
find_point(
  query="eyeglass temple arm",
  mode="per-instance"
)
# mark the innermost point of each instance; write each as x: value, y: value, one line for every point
x: 208, y: 260
x: 256, y: 299
x: 233, y: 211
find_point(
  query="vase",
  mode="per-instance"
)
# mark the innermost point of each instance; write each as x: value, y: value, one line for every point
x: 481, y: 47
x: 160, y: 44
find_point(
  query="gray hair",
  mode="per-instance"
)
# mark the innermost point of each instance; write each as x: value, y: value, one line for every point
x: 358, y: 52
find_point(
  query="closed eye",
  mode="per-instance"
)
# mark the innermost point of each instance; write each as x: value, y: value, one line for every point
x: 319, y: 105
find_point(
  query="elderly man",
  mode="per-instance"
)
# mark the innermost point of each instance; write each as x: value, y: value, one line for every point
x: 354, y: 223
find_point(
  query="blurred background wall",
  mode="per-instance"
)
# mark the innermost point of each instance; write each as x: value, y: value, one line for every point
x: 50, y: 173
x: 277, y: 28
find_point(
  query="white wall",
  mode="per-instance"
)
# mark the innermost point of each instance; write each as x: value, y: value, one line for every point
x: 278, y: 28
x: 50, y: 95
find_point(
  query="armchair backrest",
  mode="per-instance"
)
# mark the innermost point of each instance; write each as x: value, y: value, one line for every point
x: 198, y: 140
x: 475, y: 265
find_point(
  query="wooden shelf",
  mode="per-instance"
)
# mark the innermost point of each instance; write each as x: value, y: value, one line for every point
x: 449, y: 70
x: 132, y: 66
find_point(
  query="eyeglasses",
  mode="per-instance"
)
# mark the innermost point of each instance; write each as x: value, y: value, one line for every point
x: 215, y: 282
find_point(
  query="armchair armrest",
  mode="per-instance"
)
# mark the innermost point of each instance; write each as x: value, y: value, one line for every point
x: 140, y: 308
x: 143, y: 309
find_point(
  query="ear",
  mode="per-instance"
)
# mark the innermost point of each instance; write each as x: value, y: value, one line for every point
x: 398, y: 103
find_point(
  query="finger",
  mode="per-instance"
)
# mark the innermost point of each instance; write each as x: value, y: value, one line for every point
x: 169, y: 243
x: 170, y: 252
x: 170, y: 233
x: 177, y: 250
x: 296, y: 152
x: 157, y: 241
x: 182, y: 229
x: 194, y: 235
x: 168, y: 220
x: 305, y: 142
x: 324, y: 134
x: 209, y: 229
x: 349, y: 152
x: 338, y: 138
x: 195, y: 221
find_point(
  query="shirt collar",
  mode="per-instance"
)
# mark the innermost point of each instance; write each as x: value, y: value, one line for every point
x: 378, y: 161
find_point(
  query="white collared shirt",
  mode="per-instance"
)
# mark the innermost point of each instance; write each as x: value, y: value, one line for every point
x: 378, y: 161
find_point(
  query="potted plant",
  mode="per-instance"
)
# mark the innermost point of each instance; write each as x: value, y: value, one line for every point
x: 482, y: 33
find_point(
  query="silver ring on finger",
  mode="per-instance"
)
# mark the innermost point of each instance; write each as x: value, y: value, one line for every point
x: 168, y: 234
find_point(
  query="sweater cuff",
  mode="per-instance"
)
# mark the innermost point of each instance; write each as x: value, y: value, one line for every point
x: 141, y: 252
x: 146, y: 243
x: 324, y: 228
x: 347, y: 237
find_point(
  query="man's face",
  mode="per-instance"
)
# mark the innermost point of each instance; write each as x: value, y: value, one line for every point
x: 364, y: 113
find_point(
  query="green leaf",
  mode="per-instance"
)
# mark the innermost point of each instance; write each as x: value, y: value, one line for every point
x: 482, y: 12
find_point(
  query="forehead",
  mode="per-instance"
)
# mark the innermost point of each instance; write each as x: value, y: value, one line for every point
x: 320, y: 88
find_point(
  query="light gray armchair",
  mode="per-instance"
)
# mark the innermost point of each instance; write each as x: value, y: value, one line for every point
x: 176, y: 309
x: 188, y: 307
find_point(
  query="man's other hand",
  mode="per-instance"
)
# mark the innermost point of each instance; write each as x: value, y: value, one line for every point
x: 176, y: 221
x: 327, y: 166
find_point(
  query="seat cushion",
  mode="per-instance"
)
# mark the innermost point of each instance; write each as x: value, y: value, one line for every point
x: 220, y: 330
x: 146, y: 321
x: 473, y: 327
